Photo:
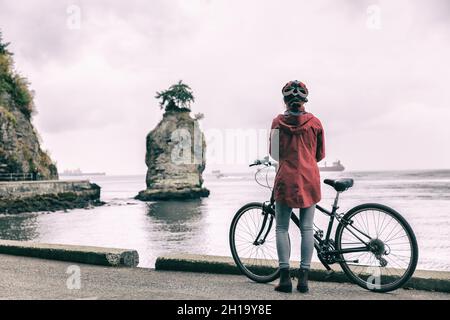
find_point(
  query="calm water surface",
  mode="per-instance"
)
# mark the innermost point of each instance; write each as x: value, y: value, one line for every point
x: 201, y: 226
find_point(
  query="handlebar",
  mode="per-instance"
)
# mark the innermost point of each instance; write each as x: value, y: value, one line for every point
x: 256, y: 163
x: 266, y: 162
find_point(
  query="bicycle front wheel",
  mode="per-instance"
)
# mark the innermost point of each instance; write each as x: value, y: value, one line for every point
x: 392, y: 253
x: 253, y: 243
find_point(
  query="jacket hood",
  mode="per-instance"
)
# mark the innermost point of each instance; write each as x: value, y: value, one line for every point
x: 295, y: 124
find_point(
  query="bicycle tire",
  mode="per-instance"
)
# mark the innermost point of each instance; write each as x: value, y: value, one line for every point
x: 251, y: 274
x: 409, y: 232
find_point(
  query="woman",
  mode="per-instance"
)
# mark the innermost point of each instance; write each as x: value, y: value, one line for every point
x: 297, y: 143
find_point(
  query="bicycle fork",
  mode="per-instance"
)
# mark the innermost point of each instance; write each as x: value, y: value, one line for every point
x: 268, y: 218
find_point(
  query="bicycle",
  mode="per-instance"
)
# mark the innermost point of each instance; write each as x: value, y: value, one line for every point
x: 374, y: 245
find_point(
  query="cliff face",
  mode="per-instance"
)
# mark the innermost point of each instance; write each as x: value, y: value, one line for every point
x: 20, y: 150
x: 175, y: 159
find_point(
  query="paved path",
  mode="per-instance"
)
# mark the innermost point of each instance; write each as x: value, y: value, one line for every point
x: 30, y: 278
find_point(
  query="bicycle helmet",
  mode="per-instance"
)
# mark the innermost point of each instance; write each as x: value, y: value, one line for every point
x: 295, y: 90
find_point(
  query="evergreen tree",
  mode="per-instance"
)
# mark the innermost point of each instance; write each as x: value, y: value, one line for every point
x: 3, y: 46
x: 177, y: 98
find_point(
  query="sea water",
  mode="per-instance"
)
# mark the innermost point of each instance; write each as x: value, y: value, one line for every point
x: 202, y: 226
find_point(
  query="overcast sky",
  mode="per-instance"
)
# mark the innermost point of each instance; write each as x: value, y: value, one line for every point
x: 378, y: 73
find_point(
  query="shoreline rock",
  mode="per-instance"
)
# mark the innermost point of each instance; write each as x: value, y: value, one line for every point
x: 153, y: 195
x: 37, y: 196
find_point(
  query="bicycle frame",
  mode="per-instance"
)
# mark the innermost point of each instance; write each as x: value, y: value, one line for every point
x: 322, y: 245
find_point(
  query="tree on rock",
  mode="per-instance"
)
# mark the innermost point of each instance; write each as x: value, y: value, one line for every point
x: 177, y: 98
x: 3, y: 46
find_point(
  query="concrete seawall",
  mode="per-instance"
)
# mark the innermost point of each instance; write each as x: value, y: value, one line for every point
x: 83, y: 254
x: 31, y: 196
x: 421, y: 280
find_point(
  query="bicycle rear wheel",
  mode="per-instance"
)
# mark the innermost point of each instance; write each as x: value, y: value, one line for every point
x: 392, y: 254
x: 253, y: 243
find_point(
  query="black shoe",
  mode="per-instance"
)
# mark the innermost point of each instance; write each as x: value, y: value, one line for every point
x: 302, y: 285
x: 285, y: 284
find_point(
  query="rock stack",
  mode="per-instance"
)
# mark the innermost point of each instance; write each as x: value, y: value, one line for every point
x: 175, y: 159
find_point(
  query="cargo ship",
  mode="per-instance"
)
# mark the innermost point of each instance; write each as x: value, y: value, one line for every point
x: 336, y: 166
x: 78, y: 172
x: 217, y: 173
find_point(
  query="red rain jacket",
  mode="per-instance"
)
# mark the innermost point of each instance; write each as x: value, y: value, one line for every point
x: 301, y: 146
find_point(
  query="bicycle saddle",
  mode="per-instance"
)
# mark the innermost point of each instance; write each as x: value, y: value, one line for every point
x: 339, y: 184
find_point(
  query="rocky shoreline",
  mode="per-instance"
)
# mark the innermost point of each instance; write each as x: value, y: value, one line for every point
x: 35, y: 196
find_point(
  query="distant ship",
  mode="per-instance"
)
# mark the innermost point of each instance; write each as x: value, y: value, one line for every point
x: 217, y: 173
x: 78, y: 172
x: 337, y: 166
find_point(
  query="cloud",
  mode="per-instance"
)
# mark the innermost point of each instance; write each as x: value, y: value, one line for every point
x: 236, y: 56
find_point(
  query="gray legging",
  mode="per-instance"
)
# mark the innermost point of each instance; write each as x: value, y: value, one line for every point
x: 283, y: 216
